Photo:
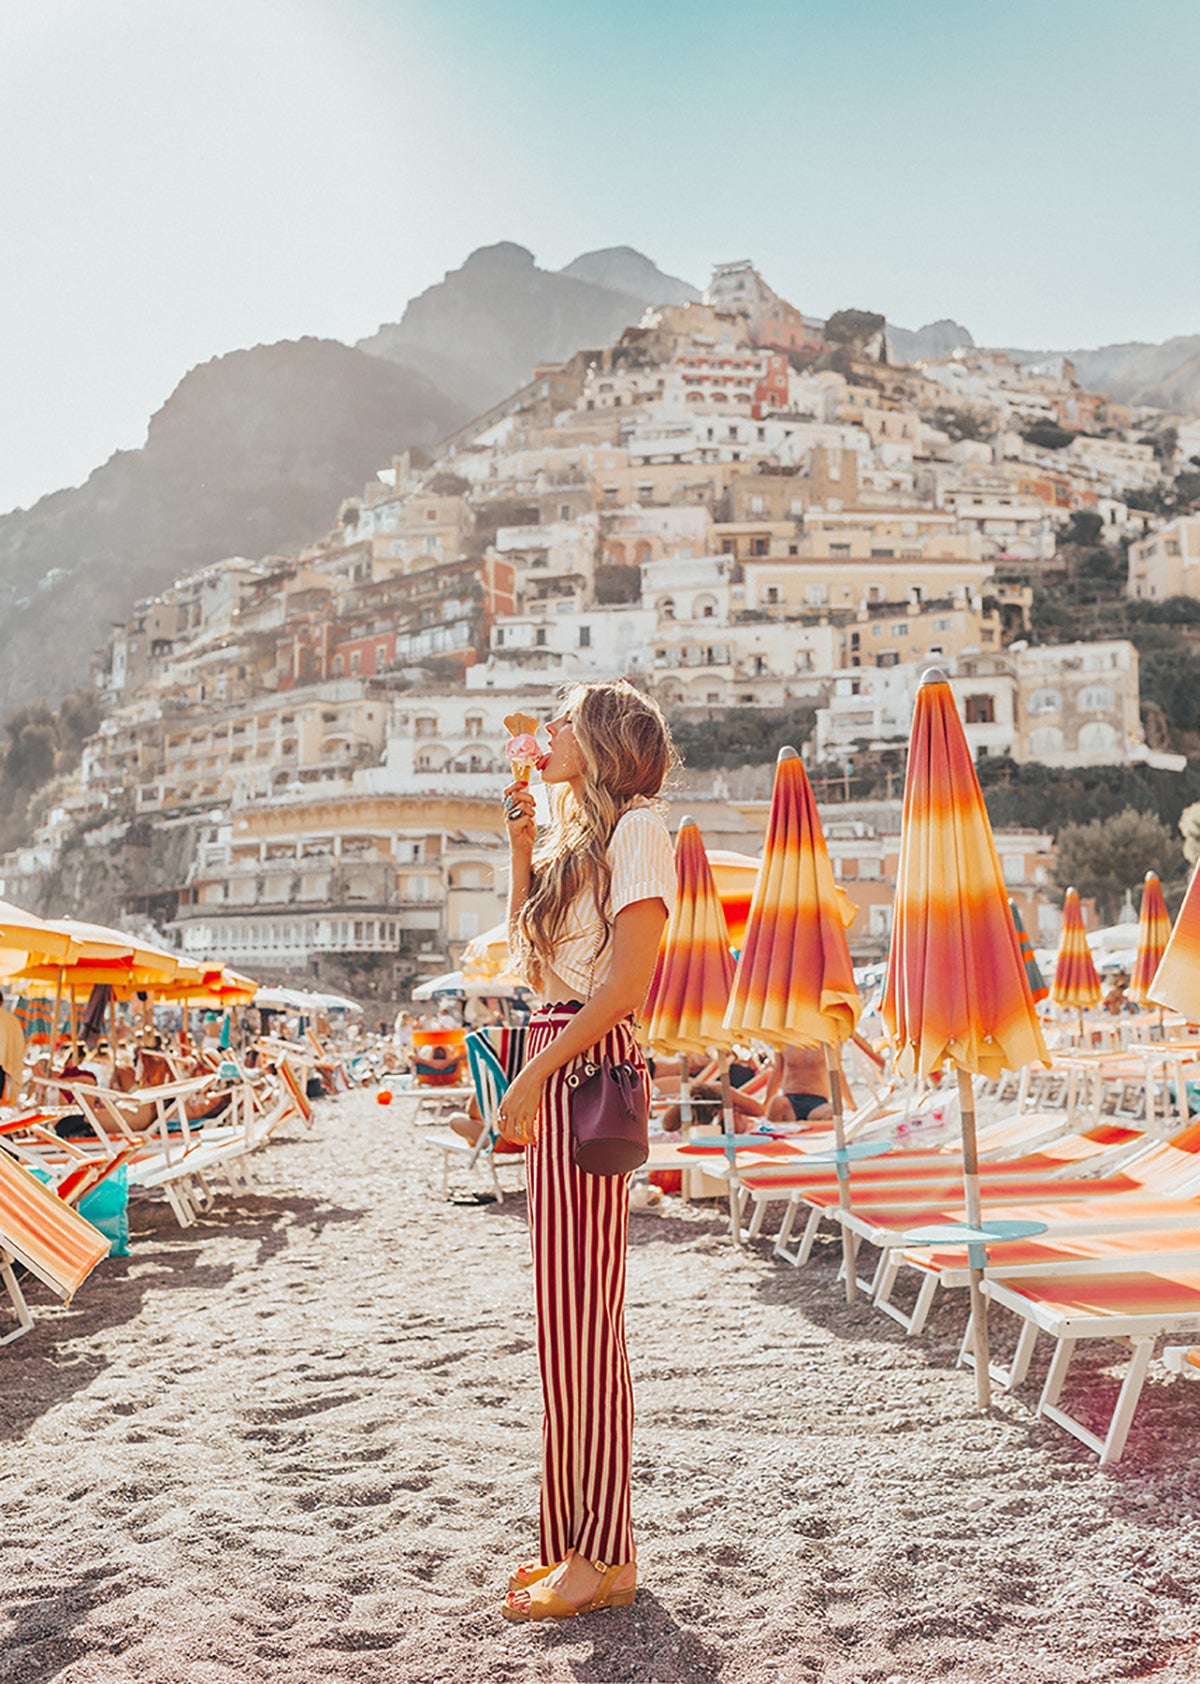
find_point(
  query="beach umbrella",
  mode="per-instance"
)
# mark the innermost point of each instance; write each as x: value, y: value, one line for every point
x: 794, y: 984
x: 1176, y: 982
x: 1154, y: 932
x: 957, y: 991
x: 685, y: 1011
x: 26, y: 933
x: 685, y: 1007
x: 1076, y: 984
x: 486, y: 955
x: 1037, y: 982
x: 734, y: 875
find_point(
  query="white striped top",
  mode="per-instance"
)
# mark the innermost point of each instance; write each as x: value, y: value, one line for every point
x: 642, y: 861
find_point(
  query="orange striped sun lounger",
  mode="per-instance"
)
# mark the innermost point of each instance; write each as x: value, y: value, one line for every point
x: 1085, y: 1241
x: 881, y: 1214
x: 45, y: 1235
x: 1134, y: 1308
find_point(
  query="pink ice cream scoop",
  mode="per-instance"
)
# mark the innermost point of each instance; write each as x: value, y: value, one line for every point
x: 523, y: 754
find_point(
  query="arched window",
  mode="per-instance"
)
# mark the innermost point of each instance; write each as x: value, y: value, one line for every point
x: 666, y: 608
x: 615, y: 555
x: 1096, y: 698
x: 704, y: 608
x: 1045, y: 701
x: 1098, y: 738
x: 644, y: 552
x: 1047, y: 739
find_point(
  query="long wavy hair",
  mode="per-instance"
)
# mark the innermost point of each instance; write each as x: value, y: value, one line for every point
x: 627, y: 753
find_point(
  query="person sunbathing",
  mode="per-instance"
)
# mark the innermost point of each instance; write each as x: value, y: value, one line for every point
x: 137, y: 1116
x: 707, y: 1106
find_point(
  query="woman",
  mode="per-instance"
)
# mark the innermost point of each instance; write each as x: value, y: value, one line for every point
x: 587, y: 908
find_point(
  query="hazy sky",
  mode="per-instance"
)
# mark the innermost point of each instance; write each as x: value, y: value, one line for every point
x: 179, y: 178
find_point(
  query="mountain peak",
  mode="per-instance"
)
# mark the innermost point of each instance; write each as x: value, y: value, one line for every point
x: 505, y: 254
x: 624, y: 269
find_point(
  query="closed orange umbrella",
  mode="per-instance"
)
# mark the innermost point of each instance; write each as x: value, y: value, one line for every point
x: 686, y: 1010
x: 794, y: 984
x: 1176, y: 982
x: 957, y: 991
x: 1076, y: 985
x: 1154, y: 932
x: 734, y: 875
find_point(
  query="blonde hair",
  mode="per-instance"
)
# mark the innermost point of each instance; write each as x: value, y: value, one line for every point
x: 627, y: 753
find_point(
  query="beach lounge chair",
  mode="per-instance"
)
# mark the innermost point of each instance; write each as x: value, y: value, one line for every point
x: 1134, y: 1308
x: 40, y: 1231
x: 1158, y: 1172
x: 494, y: 1056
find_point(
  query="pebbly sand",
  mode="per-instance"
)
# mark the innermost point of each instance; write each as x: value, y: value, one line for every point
x: 300, y: 1443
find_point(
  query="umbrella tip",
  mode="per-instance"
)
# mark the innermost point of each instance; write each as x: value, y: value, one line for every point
x: 787, y: 752
x: 934, y: 675
x: 686, y: 820
x: 1152, y: 877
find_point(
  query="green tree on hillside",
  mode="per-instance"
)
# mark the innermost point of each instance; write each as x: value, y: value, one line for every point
x: 1108, y: 857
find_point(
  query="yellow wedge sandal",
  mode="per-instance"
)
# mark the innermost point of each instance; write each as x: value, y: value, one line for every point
x: 546, y: 1604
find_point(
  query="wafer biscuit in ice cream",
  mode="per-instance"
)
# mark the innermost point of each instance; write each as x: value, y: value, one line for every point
x: 522, y: 746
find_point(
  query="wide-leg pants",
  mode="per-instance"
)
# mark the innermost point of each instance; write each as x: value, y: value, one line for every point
x: 578, y: 1227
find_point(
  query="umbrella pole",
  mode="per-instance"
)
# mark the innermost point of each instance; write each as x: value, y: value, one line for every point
x: 730, y: 1132
x: 849, y: 1251
x: 685, y: 1094
x: 74, y: 1031
x: 976, y: 1253
x: 54, y: 1025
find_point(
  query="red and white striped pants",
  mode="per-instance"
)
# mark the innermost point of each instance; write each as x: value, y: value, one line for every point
x: 577, y: 1228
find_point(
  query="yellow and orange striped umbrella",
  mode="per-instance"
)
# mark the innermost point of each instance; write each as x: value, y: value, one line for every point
x: 1177, y: 980
x: 735, y: 875
x: 1076, y: 985
x: 794, y: 984
x: 957, y: 990
x: 691, y: 985
x: 1154, y: 932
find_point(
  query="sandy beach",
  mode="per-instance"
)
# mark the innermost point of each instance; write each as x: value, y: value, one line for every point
x: 300, y: 1442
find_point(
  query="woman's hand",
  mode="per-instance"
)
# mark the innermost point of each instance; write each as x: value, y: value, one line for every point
x: 517, y: 1116
x: 519, y: 810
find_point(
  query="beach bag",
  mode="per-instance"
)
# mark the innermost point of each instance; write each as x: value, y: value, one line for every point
x: 107, y: 1207
x: 609, y: 1116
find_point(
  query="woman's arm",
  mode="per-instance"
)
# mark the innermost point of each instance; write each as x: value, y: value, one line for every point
x: 637, y: 932
x: 522, y: 832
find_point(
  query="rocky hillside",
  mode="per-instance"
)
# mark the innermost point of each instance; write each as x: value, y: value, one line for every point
x: 479, y: 333
x: 1165, y: 376
x: 251, y: 454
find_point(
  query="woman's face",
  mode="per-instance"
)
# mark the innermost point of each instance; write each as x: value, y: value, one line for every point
x: 564, y: 763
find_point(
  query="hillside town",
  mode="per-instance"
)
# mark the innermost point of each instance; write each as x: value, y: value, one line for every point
x: 737, y: 506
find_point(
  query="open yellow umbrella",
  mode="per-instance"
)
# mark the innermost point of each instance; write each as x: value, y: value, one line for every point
x: 1076, y: 984
x: 25, y: 932
x: 1154, y: 932
x: 98, y: 954
x: 686, y: 1008
x: 486, y: 955
x: 1176, y: 983
x: 957, y: 991
x: 794, y: 984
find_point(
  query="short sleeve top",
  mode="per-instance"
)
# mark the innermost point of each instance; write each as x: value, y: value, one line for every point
x: 642, y: 862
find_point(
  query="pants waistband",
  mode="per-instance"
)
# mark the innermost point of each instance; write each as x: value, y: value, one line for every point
x: 555, y: 1011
